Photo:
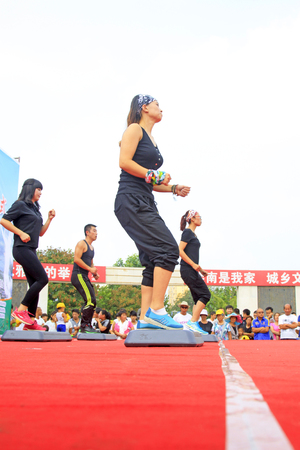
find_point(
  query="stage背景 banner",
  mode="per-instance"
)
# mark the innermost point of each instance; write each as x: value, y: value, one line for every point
x: 9, y: 179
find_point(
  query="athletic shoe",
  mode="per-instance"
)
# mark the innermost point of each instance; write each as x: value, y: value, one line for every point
x: 146, y: 326
x: 88, y: 329
x: 194, y: 326
x: 35, y: 326
x: 22, y: 316
x: 164, y: 321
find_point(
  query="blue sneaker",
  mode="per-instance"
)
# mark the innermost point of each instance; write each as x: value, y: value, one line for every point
x: 146, y: 326
x: 164, y: 321
x: 194, y: 326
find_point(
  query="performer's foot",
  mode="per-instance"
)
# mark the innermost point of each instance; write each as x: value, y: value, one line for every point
x: 194, y: 326
x: 35, y: 326
x: 146, y: 326
x: 162, y: 321
x: 22, y: 316
x: 87, y: 329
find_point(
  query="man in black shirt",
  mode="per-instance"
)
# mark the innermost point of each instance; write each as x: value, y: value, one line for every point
x: 204, y: 323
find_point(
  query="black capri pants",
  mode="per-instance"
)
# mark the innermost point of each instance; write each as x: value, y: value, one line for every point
x: 35, y: 274
x: 196, y: 284
x: 140, y: 219
x: 85, y: 288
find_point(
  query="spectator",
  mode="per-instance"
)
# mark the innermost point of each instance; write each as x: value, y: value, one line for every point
x: 61, y: 317
x: 288, y: 323
x: 213, y: 317
x: 44, y: 316
x: 247, y: 327
x: 205, y: 324
x: 96, y: 318
x: 12, y: 319
x: 122, y: 327
x: 241, y: 332
x: 246, y: 313
x: 254, y: 314
x: 38, y: 315
x: 275, y: 327
x: 133, y: 318
x: 269, y: 314
x: 229, y: 310
x: 221, y: 328
x: 105, y: 318
x: 239, y: 317
x: 74, y: 323
x: 260, y: 327
x: 233, y: 325
x: 183, y: 316
x: 51, y: 323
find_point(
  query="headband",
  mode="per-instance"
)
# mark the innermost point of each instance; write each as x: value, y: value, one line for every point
x: 144, y: 100
x: 191, y: 214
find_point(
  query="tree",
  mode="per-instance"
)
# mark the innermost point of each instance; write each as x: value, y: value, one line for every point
x: 131, y: 261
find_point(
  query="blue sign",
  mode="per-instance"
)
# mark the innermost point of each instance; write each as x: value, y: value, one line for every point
x: 9, y: 180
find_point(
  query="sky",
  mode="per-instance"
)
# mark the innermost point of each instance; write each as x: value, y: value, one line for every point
x: 226, y: 75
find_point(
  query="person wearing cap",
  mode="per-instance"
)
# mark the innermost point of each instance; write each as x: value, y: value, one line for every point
x: 221, y: 328
x: 204, y: 323
x: 183, y: 316
x: 26, y: 222
x: 190, y: 269
x: 135, y: 208
x: 61, y: 317
x: 233, y: 324
x: 83, y: 264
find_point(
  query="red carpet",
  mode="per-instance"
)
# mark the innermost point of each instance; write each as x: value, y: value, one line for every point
x: 85, y: 395
x: 275, y: 369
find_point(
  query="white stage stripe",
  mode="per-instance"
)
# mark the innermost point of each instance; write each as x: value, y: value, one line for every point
x: 250, y: 424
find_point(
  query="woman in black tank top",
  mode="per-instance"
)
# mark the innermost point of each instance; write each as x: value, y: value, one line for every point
x: 135, y: 209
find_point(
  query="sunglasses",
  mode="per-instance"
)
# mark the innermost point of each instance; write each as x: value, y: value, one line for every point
x: 184, y: 307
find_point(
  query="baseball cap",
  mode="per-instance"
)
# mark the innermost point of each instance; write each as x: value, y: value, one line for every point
x: 219, y: 311
x: 60, y: 305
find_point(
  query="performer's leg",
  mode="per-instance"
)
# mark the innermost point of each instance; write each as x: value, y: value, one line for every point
x: 198, y: 307
x: 86, y: 290
x: 160, y: 284
x: 35, y: 274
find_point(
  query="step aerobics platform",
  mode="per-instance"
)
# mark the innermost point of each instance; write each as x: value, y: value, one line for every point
x: 163, y: 338
x: 33, y: 336
x: 96, y: 337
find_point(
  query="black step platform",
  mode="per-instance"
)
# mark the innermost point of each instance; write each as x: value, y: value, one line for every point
x: 162, y: 338
x: 96, y: 337
x: 35, y: 336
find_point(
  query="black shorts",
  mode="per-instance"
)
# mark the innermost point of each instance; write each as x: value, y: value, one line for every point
x: 196, y: 284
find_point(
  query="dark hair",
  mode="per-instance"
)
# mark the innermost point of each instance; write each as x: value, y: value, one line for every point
x: 106, y: 314
x: 122, y: 311
x: 44, y: 314
x: 246, y: 311
x: 236, y: 310
x: 212, y: 312
x: 133, y: 313
x: 183, y: 221
x: 240, y: 325
x: 76, y: 310
x: 28, y: 190
x: 255, y: 311
x: 135, y: 113
x: 52, y: 313
x: 88, y: 227
x: 229, y: 306
x: 269, y: 307
x: 46, y: 327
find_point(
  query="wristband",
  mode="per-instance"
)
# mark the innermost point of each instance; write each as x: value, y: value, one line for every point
x: 155, y: 177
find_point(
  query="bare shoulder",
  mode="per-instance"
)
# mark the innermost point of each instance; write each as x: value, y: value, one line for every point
x: 133, y: 131
x: 81, y: 245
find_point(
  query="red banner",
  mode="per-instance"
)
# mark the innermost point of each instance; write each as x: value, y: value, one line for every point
x: 59, y: 272
x: 253, y: 278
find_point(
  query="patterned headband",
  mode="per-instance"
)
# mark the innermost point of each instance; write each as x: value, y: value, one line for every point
x: 190, y: 215
x: 145, y: 100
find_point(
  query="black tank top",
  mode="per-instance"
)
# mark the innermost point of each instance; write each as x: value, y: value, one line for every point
x: 146, y: 155
x: 87, y: 258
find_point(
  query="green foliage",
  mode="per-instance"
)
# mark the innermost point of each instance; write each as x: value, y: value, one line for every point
x: 131, y: 261
x: 56, y: 256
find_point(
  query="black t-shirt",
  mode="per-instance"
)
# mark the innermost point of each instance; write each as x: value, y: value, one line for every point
x: 206, y: 326
x: 104, y: 323
x: 148, y: 156
x: 192, y: 248
x: 28, y: 219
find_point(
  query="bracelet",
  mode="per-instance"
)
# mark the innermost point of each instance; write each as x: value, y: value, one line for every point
x: 155, y: 177
x: 173, y: 189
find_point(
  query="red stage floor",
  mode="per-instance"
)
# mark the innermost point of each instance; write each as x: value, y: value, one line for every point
x: 86, y: 395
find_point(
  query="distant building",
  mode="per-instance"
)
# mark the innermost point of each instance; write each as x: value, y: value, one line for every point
x: 176, y: 292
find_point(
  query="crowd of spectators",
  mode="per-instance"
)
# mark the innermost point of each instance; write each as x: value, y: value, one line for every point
x: 226, y: 325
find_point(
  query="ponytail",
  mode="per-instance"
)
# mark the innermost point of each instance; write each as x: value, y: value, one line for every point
x: 183, y: 221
